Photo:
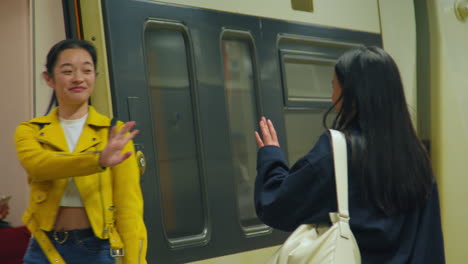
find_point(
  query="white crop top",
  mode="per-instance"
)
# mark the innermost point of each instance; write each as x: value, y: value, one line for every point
x: 72, y: 130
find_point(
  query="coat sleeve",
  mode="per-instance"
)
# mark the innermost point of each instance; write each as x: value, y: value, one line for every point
x: 42, y: 164
x: 128, y: 202
x: 287, y: 197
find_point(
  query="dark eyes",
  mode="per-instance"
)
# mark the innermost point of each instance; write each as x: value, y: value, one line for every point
x: 68, y: 72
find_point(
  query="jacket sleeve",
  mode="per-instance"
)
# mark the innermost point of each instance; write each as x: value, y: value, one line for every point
x: 128, y: 202
x: 42, y: 164
x: 286, y: 198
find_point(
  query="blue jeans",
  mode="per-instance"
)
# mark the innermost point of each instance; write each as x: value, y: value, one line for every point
x: 75, y: 250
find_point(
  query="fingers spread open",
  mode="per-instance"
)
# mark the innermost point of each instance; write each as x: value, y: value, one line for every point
x: 259, y: 140
x: 133, y: 134
x: 126, y: 128
x: 265, y: 131
x: 272, y: 131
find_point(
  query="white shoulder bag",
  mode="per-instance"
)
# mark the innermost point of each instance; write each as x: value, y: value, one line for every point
x: 322, y: 243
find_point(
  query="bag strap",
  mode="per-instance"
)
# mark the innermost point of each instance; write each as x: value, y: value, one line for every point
x: 43, y: 240
x: 340, y: 160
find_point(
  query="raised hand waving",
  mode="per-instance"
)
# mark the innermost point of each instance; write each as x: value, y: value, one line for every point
x: 112, y: 153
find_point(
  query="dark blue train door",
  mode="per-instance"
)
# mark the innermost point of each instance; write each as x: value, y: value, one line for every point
x: 189, y: 78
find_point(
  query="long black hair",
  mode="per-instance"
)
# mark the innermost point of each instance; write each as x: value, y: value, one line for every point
x: 388, y: 159
x: 54, y: 53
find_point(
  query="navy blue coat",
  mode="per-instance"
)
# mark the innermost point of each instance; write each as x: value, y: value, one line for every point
x: 305, y: 194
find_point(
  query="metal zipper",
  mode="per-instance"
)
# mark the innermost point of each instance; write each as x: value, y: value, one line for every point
x: 105, y: 231
x: 139, y: 251
x: 48, y: 143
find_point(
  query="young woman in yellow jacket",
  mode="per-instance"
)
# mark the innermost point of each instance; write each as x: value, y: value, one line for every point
x: 86, y: 204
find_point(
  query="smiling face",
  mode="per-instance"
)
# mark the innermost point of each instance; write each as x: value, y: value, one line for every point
x: 73, y: 77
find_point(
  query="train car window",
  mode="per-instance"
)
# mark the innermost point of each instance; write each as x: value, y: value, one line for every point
x: 240, y: 91
x: 307, y: 84
x: 307, y: 66
x: 307, y: 78
x: 178, y: 158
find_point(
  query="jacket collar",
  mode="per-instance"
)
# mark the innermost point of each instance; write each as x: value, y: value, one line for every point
x: 94, y: 118
x: 52, y: 132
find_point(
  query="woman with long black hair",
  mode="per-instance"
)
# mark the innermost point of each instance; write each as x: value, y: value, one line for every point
x: 393, y: 197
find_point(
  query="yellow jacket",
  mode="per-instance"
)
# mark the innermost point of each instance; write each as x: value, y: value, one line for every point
x: 111, y: 196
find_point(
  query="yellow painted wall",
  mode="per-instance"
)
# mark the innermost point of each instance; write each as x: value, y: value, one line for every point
x: 449, y: 129
x: 356, y: 14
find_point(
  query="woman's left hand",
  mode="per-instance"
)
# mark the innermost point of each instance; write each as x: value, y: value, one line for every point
x: 268, y: 133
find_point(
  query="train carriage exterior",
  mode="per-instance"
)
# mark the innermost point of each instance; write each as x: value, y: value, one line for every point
x: 197, y: 75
